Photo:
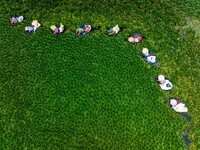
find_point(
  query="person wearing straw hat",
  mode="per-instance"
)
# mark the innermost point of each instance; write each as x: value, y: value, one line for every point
x: 57, y: 29
x: 33, y: 26
x: 164, y: 83
x: 135, y: 38
x: 148, y: 56
x: 16, y: 19
x: 178, y: 105
x: 114, y: 30
x: 84, y: 29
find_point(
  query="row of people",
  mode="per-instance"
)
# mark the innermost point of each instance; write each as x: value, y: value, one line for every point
x: 82, y: 30
x: 147, y: 55
x: 56, y: 29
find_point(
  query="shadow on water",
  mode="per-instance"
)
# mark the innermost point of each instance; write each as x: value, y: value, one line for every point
x: 186, y: 130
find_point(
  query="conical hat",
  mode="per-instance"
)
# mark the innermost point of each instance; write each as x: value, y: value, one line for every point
x: 161, y: 78
x: 130, y: 39
x: 173, y: 102
x: 35, y: 22
x: 145, y: 51
x: 53, y: 27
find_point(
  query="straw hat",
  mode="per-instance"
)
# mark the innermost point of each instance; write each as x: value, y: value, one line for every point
x: 161, y: 79
x: 36, y: 24
x: 131, y: 39
x: 145, y: 51
x: 173, y: 102
x: 53, y: 27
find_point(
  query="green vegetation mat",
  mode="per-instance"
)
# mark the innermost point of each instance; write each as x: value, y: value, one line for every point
x: 96, y: 92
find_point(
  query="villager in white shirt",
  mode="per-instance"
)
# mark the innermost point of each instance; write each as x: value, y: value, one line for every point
x: 114, y: 30
x: 164, y: 83
x: 178, y: 105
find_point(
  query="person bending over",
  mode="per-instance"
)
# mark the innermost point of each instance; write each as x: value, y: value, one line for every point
x: 135, y: 38
x: 148, y: 56
x: 33, y: 26
x: 57, y: 29
x: 178, y: 105
x: 16, y: 19
x: 84, y: 29
x: 114, y: 30
x: 164, y: 83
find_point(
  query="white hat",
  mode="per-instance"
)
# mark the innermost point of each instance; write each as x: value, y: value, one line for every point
x: 173, y: 102
x: 161, y: 79
x: 145, y: 51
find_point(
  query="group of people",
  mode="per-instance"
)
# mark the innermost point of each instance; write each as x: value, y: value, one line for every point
x: 175, y: 103
x: 56, y: 29
x: 165, y: 84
